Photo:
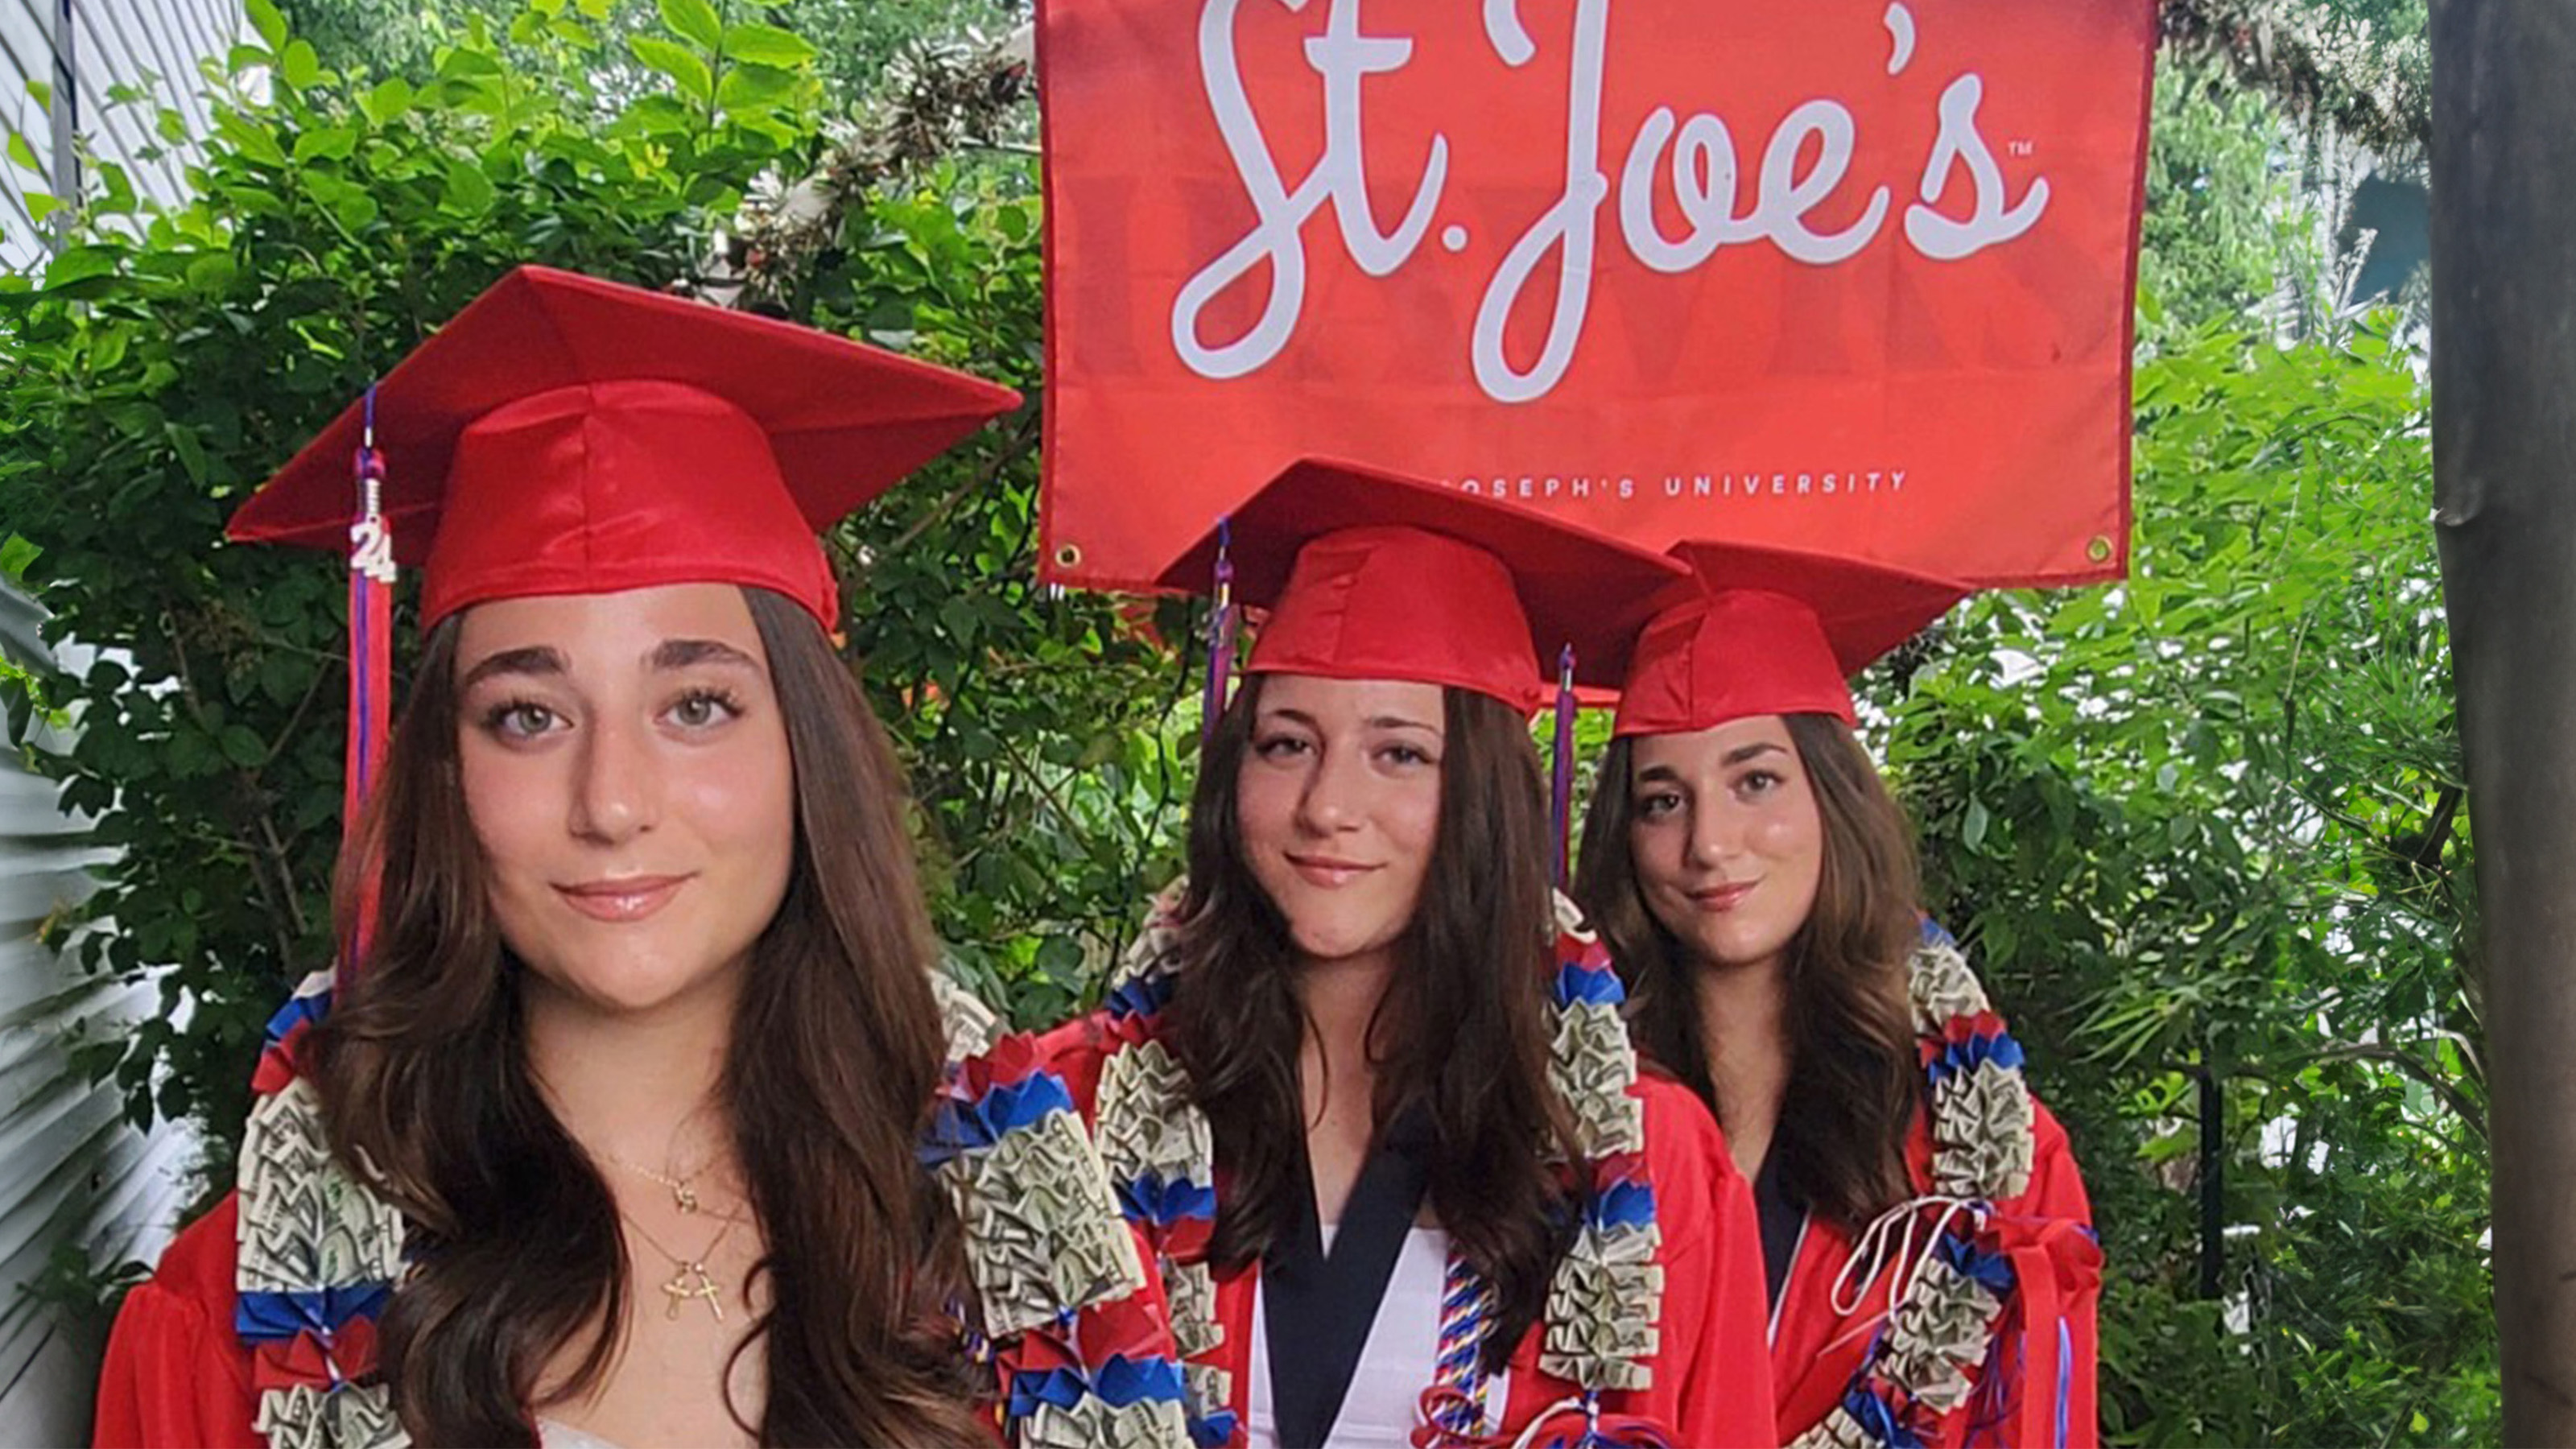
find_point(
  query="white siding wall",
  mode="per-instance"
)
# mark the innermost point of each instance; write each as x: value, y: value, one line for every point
x: 71, y: 1171
x: 155, y: 43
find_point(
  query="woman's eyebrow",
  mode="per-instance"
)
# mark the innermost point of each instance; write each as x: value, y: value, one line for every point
x: 537, y: 659
x: 684, y: 653
x: 1742, y: 753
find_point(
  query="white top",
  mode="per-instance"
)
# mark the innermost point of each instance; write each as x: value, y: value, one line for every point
x: 1385, y: 1399
x: 553, y: 1435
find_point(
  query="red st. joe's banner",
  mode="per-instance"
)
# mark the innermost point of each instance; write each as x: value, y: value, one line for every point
x: 1844, y: 275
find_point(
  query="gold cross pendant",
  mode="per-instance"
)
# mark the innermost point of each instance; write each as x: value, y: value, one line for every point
x: 689, y: 1281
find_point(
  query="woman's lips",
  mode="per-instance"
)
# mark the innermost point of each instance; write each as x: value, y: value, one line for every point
x: 1327, y: 872
x: 628, y: 898
x: 1722, y: 898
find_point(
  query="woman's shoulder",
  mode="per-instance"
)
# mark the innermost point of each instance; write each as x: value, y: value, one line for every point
x: 2056, y: 1182
x: 198, y: 1266
x: 1674, y: 1113
x: 1077, y: 1049
x: 1686, y: 1153
x: 176, y: 1372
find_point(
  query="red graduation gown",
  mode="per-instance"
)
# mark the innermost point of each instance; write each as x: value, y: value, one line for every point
x: 1711, y: 1383
x: 178, y: 1376
x: 1815, y: 1350
x: 176, y: 1373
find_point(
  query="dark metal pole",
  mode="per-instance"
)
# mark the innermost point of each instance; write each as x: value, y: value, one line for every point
x: 2504, y: 466
x: 66, y: 177
x: 2213, y: 1186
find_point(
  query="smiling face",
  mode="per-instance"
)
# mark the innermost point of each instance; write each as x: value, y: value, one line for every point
x: 627, y: 773
x: 1727, y: 838
x: 1338, y: 806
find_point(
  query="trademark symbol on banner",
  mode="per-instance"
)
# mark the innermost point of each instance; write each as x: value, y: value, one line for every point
x: 2020, y: 148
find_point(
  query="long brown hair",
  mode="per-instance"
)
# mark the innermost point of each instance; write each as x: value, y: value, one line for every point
x: 1464, y: 1023
x: 1853, y: 1081
x: 836, y: 1054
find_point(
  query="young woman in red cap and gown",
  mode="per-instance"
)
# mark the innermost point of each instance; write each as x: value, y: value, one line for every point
x: 1362, y: 1086
x: 637, y: 1114
x: 1928, y: 1255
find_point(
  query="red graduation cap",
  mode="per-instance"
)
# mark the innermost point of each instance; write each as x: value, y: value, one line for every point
x: 1773, y: 631
x: 565, y: 435
x: 1374, y: 575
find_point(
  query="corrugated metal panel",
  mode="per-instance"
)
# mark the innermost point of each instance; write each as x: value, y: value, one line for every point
x: 113, y: 42
x: 114, y: 45
x: 74, y: 1172
x: 26, y: 52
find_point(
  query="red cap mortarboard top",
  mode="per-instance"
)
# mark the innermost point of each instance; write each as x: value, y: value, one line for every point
x: 1375, y: 575
x: 565, y: 435
x: 1775, y: 632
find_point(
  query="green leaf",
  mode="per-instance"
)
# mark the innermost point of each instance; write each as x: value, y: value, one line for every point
x: 696, y: 21
x: 330, y: 143
x: 116, y: 189
x: 192, y: 454
x: 469, y: 191
x: 42, y: 94
x: 659, y: 114
x: 252, y: 138
x: 467, y: 62
x: 679, y: 63
x: 387, y: 101
x: 78, y: 264
x: 762, y: 44
x: 1060, y: 958
x: 282, y: 677
x: 268, y: 21
x: 16, y: 553
x: 298, y: 66
x: 1972, y: 829
x: 243, y: 746
x: 212, y: 272
x: 755, y: 87
x: 349, y: 204
x: 24, y: 154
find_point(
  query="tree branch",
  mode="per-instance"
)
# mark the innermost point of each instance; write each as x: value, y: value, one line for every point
x: 2379, y: 94
x: 2469, y: 1113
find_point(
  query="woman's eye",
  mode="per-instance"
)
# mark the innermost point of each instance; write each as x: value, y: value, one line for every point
x: 1656, y: 807
x: 1758, y: 782
x: 1406, y: 755
x: 701, y: 708
x: 1279, y: 747
x: 519, y: 720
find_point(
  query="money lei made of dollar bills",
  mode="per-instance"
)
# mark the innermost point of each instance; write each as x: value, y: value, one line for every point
x: 1947, y: 1307
x: 1606, y: 1297
x: 319, y: 1255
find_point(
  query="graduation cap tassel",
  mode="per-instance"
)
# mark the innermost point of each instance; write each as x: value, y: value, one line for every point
x: 1561, y: 800
x: 1220, y: 661
x: 371, y: 606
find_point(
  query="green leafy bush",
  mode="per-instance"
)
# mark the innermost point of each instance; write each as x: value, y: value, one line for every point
x: 167, y: 360
x: 2210, y: 820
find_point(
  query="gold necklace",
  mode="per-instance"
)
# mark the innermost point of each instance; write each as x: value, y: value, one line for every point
x: 683, y: 1187
x: 689, y: 1277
